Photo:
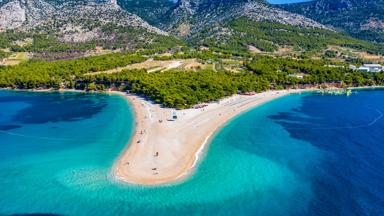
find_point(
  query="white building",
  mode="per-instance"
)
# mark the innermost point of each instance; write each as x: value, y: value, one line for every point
x: 299, y: 76
x: 372, y: 68
x: 352, y: 67
x: 363, y: 69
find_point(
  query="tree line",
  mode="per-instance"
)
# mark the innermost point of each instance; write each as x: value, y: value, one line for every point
x: 280, y: 72
x: 64, y: 73
x: 180, y: 88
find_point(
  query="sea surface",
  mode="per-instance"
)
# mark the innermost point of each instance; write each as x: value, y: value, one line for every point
x: 303, y: 154
x: 286, y: 1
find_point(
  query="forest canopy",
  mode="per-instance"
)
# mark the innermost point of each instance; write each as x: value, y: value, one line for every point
x: 182, y: 88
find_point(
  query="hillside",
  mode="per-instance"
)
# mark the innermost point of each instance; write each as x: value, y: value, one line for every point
x: 189, y: 16
x: 62, y: 29
x: 241, y: 27
x: 150, y: 10
x: 244, y: 36
x: 75, y: 26
x: 360, y: 18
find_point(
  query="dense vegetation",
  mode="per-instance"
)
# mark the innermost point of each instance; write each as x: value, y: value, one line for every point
x: 279, y: 71
x: 133, y: 38
x: 349, y: 16
x: 63, y: 73
x: 3, y: 55
x: 125, y: 38
x: 232, y: 39
x: 267, y: 36
x: 8, y: 37
x: 40, y: 43
x: 149, y: 10
x: 183, y: 89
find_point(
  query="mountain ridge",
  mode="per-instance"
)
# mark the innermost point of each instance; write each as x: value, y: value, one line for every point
x: 71, y: 29
x: 32, y: 13
x: 192, y: 15
x: 232, y: 27
x: 363, y: 19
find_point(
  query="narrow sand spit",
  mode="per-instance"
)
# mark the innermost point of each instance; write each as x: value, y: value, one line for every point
x: 164, y: 150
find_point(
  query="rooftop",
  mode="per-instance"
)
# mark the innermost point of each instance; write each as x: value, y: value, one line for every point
x: 372, y: 65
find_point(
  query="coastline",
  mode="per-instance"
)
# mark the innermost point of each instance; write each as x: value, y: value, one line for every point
x: 168, y: 152
x: 165, y: 151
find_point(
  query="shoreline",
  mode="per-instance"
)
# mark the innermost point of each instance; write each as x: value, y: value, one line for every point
x: 183, y: 141
x: 142, y: 161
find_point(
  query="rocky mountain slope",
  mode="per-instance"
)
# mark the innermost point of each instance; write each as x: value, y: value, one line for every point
x: 29, y: 14
x: 150, y: 10
x: 360, y: 18
x: 190, y: 16
x: 77, y: 21
x: 233, y: 27
x: 237, y: 27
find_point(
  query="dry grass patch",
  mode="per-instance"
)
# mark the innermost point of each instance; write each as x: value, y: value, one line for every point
x: 23, y: 43
x: 151, y: 66
x: 15, y: 59
x: 360, y: 54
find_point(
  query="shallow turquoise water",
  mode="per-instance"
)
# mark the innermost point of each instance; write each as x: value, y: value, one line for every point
x: 57, y: 151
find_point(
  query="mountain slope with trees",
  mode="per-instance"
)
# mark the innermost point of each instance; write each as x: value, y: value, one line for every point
x: 360, y: 18
x: 76, y: 26
x: 189, y: 16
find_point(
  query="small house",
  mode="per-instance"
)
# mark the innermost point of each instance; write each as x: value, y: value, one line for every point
x: 363, y: 69
x: 373, y: 68
x: 299, y: 76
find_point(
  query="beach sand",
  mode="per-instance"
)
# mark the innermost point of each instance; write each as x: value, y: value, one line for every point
x: 163, y: 150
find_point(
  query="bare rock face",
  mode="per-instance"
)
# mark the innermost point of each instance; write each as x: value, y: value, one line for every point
x: 186, y: 6
x: 103, y: 14
x: 373, y: 24
x: 198, y: 14
x: 71, y: 21
x: 261, y: 12
x: 12, y: 16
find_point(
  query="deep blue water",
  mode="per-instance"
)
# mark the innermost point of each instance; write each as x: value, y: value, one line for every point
x: 298, y: 155
x: 349, y: 131
x: 286, y: 1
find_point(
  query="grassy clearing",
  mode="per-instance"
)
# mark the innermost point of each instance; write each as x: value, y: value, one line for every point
x: 159, y: 66
x: 15, y: 59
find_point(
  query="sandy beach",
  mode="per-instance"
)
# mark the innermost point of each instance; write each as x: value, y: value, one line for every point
x: 164, y: 150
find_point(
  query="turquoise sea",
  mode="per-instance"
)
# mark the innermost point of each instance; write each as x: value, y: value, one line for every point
x: 303, y: 154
